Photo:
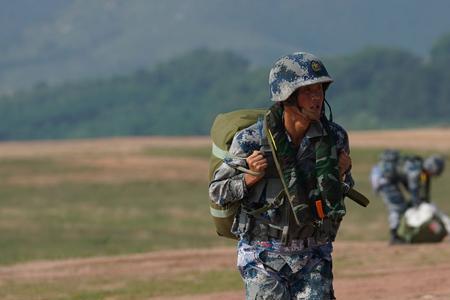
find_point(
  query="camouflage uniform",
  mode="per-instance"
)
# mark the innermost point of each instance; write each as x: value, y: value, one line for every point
x: 303, y: 268
x: 283, y: 252
x: 397, y: 174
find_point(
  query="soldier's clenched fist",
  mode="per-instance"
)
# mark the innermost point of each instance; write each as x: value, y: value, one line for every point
x: 257, y: 163
x: 345, y: 163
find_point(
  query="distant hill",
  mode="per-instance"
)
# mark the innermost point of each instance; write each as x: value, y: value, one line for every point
x: 60, y: 40
x: 374, y: 88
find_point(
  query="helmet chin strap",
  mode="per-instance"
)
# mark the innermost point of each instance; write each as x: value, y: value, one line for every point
x: 329, y: 107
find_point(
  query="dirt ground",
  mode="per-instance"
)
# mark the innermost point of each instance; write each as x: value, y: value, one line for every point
x: 371, y: 270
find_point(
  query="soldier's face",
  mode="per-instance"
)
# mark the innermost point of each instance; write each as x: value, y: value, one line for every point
x: 310, y: 100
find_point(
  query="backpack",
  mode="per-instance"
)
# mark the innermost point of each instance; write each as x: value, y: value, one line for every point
x: 224, y: 128
x: 422, y: 224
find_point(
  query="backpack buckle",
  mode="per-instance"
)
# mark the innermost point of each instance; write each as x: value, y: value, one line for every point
x: 284, y: 235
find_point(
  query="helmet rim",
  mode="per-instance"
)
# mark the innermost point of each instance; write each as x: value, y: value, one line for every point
x: 298, y: 84
x: 296, y: 70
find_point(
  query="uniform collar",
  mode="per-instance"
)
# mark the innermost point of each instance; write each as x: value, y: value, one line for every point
x: 315, y: 130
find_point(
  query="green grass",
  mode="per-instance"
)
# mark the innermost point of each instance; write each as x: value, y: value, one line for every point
x: 126, y: 289
x: 197, y: 283
x: 82, y: 219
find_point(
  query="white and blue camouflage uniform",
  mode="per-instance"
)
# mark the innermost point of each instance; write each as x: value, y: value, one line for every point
x: 271, y: 270
x: 396, y: 175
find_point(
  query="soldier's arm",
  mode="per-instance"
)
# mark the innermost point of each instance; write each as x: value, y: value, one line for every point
x: 228, y: 184
x: 413, y: 178
x: 343, y: 146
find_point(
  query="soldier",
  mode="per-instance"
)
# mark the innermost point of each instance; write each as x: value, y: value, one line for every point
x: 292, y: 194
x: 395, y: 173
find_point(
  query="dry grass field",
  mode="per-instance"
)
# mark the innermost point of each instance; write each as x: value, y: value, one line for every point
x: 113, y: 219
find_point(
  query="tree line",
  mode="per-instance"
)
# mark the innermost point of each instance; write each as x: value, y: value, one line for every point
x: 374, y: 88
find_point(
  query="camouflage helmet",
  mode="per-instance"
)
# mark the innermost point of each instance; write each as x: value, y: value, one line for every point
x: 390, y: 155
x: 434, y: 165
x: 296, y: 70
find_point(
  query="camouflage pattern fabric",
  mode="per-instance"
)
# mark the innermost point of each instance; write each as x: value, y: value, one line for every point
x: 292, y: 176
x: 228, y: 186
x: 326, y: 172
x: 404, y: 172
x: 295, y: 70
x: 294, y: 273
x: 395, y: 203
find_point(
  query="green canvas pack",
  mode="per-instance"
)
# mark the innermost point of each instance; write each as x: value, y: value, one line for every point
x: 224, y: 128
x: 431, y: 230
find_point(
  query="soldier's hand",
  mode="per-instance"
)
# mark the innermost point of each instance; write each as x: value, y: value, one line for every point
x: 294, y: 115
x: 344, y: 163
x: 295, y: 122
x: 257, y: 163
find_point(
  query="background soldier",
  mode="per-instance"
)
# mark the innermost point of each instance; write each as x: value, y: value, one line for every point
x: 394, y: 174
x: 291, y: 202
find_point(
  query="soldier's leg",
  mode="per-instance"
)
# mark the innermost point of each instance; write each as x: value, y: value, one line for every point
x: 263, y: 284
x: 314, y: 282
x: 396, y: 206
